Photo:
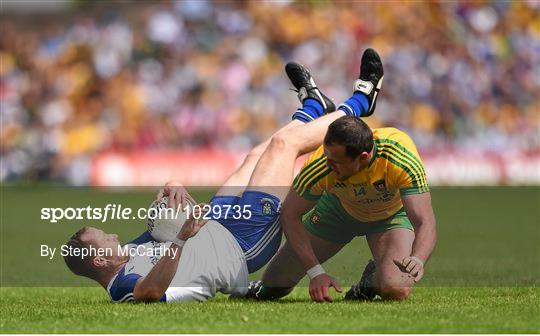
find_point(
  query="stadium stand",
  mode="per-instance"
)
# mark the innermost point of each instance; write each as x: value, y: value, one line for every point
x: 194, y: 75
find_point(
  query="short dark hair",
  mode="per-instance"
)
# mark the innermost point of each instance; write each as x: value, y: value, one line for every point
x: 352, y: 133
x: 79, y: 266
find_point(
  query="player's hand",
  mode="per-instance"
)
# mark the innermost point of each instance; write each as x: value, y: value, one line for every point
x: 193, y: 224
x: 414, y: 266
x: 319, y: 287
x: 178, y: 195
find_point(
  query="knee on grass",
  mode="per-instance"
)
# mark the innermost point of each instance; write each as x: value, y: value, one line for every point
x: 274, y: 293
x: 395, y: 293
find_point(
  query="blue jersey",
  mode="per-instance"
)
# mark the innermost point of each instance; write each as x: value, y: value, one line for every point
x: 211, y: 261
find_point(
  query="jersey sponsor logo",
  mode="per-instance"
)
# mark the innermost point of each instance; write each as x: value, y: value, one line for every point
x: 384, y: 198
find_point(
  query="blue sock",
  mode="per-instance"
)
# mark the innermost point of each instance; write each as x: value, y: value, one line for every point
x: 355, y: 106
x: 311, y: 109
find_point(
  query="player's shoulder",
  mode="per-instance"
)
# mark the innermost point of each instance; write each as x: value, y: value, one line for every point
x: 315, y: 171
x: 316, y: 163
x: 318, y: 153
x: 392, y: 135
x: 317, y: 159
x: 392, y: 143
x: 121, y: 286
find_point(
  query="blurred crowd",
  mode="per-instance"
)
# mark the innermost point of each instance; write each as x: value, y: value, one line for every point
x: 187, y: 74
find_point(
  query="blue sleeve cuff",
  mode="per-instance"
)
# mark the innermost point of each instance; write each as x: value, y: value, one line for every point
x: 143, y: 238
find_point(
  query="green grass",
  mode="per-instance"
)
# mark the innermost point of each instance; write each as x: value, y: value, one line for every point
x: 430, y: 310
x: 483, y: 277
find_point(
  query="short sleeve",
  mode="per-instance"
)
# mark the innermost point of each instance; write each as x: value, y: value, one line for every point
x: 407, y: 173
x: 121, y: 290
x: 145, y: 237
x: 310, y: 181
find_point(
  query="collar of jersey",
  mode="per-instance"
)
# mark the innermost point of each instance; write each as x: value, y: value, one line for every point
x: 114, y: 278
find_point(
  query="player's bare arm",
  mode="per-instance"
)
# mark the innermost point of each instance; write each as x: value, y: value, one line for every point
x: 152, y: 287
x: 294, y: 208
x: 361, y: 104
x: 420, y: 212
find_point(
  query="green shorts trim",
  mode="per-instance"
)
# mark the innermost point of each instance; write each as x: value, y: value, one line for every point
x: 329, y: 221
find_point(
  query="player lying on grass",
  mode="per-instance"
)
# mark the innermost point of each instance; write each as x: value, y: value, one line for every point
x: 218, y: 255
x: 361, y: 182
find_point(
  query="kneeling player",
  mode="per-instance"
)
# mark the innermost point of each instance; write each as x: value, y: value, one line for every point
x: 361, y: 182
x: 218, y: 255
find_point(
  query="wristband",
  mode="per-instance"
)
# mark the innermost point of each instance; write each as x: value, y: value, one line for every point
x: 178, y: 242
x: 418, y: 260
x: 315, y: 271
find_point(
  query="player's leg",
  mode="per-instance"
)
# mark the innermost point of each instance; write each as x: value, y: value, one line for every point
x: 329, y: 230
x: 259, y: 235
x: 388, y: 249
x: 314, y: 105
x: 237, y: 182
x: 254, y: 219
x: 285, y: 271
x: 275, y: 167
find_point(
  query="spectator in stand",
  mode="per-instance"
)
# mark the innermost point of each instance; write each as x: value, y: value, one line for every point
x: 182, y: 74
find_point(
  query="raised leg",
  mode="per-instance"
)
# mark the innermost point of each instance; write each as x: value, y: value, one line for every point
x: 287, y: 141
x: 275, y: 168
x: 237, y: 182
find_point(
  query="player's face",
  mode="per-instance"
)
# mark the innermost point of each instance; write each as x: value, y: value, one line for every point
x: 342, y: 165
x: 100, y: 239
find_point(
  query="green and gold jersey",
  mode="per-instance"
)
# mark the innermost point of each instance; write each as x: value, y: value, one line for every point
x: 373, y: 193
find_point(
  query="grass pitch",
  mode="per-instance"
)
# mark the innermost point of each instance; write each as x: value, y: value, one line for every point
x: 483, y: 277
x: 430, y: 310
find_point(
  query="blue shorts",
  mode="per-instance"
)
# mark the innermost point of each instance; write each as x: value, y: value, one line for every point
x: 253, y: 219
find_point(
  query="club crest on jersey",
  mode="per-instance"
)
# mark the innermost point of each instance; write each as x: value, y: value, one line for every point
x: 267, y: 206
x: 315, y: 218
x: 380, y: 186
